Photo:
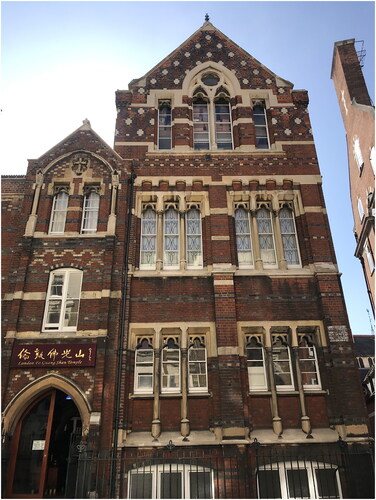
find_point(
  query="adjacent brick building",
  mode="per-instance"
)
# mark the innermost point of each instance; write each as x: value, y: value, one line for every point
x: 358, y: 114
x: 182, y: 291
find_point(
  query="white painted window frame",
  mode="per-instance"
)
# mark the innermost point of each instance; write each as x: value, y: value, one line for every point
x: 311, y: 476
x: 157, y: 470
x: 63, y: 298
x: 55, y: 211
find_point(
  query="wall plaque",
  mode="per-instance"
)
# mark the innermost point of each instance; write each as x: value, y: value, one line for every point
x: 47, y: 355
x: 338, y: 333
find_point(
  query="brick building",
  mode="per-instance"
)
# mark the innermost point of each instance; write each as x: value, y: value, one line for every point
x: 358, y: 114
x: 179, y: 295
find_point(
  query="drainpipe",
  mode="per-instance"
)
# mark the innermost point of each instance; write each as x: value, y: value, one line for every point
x: 120, y: 352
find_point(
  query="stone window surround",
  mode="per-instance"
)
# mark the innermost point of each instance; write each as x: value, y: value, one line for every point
x: 183, y: 202
x: 67, y: 181
x: 183, y: 333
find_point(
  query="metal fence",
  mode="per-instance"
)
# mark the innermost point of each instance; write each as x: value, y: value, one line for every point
x: 253, y: 471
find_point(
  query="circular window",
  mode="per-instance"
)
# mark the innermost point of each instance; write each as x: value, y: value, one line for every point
x: 210, y: 79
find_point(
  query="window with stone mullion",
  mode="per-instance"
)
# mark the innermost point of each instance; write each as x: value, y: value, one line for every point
x: 194, y: 238
x: 266, y: 236
x: 201, y: 135
x: 148, y: 239
x: 243, y: 237
x: 171, y: 238
x: 289, y: 239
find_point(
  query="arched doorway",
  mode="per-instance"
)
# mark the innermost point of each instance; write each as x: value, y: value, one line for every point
x: 40, y: 447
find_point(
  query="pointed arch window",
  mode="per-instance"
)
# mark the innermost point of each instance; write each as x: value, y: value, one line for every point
x: 170, y: 375
x: 194, y: 238
x: 197, y: 366
x: 201, y: 134
x: 266, y: 236
x: 289, y: 239
x: 212, y: 120
x: 148, y: 238
x: 171, y: 238
x: 243, y: 237
x: 164, y: 125
x: 282, y: 366
x: 59, y: 210
x: 144, y: 368
x: 256, y: 365
x: 90, y: 211
x: 223, y: 124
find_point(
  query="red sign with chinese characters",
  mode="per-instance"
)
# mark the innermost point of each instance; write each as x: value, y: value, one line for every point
x: 63, y: 355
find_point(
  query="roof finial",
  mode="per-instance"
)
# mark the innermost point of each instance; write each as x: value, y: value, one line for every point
x: 207, y: 18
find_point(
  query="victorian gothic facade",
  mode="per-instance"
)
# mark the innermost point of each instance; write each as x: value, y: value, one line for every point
x: 173, y: 319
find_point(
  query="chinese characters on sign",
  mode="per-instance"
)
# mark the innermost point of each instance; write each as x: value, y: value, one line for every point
x: 37, y: 355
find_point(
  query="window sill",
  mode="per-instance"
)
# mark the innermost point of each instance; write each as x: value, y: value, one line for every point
x: 310, y: 392
x: 199, y: 395
x: 99, y: 234
x: 171, y: 395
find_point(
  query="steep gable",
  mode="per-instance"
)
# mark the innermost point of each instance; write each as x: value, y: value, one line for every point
x: 208, y: 44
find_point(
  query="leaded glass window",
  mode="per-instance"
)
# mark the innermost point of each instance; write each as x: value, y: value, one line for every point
x: 194, y: 238
x: 266, y: 236
x: 148, y: 239
x: 243, y: 237
x: 288, y: 233
x: 171, y: 238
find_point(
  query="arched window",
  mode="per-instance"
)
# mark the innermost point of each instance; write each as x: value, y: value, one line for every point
x: 171, y: 238
x: 194, y: 238
x: 282, y: 366
x: 59, y: 211
x: 164, y: 125
x: 266, y: 237
x: 256, y: 366
x: 309, y: 368
x: 63, y: 300
x: 148, y: 238
x: 170, y: 376
x: 197, y: 367
x: 144, y: 368
x: 243, y: 237
x: 288, y: 233
x: 223, y: 123
x: 90, y: 212
x: 201, y: 134
x: 212, y: 121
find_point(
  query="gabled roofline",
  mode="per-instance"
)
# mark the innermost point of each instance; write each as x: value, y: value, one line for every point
x: 85, y: 126
x: 207, y: 26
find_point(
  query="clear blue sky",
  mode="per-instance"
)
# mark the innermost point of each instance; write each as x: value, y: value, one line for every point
x: 63, y: 61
